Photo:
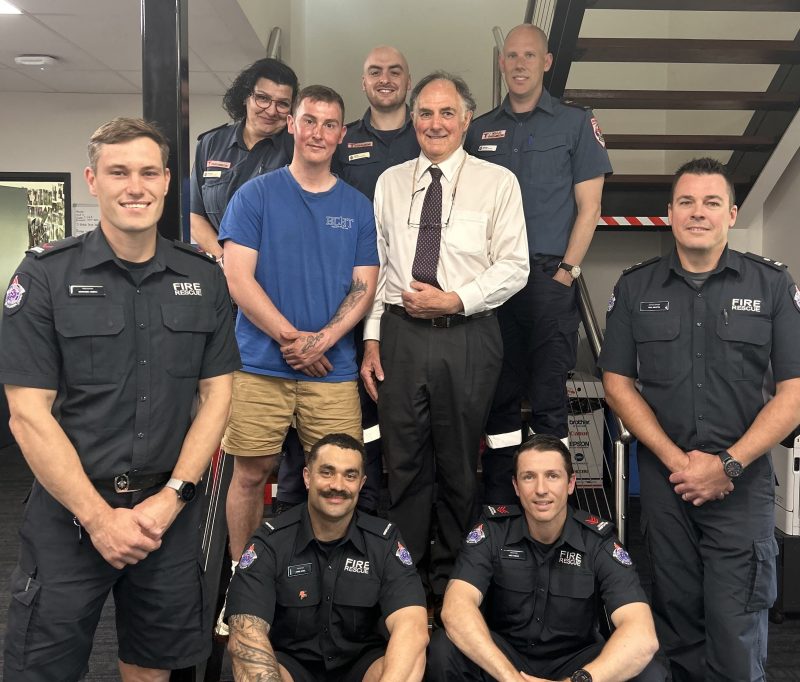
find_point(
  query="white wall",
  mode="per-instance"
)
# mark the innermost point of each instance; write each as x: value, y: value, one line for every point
x: 781, y: 239
x: 49, y: 132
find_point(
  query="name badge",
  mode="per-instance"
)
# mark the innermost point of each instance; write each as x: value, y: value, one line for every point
x: 650, y: 306
x: 298, y: 570
x: 86, y: 290
x: 361, y: 155
x: 487, y: 148
x: 513, y: 554
x: 212, y: 174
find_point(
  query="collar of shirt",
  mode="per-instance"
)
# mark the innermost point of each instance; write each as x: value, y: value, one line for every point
x: 570, y: 534
x: 96, y: 250
x: 544, y: 104
x: 238, y: 137
x: 729, y: 259
x: 305, y: 533
x: 449, y: 166
x: 366, y: 123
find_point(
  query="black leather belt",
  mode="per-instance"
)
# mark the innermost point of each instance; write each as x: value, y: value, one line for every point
x: 132, y: 482
x: 442, y: 322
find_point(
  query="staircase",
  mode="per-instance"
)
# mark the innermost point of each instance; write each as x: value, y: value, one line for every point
x: 638, y: 200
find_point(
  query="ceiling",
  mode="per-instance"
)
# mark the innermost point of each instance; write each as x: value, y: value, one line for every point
x: 98, y: 46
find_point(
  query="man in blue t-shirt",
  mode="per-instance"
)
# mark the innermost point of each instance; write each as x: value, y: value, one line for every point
x: 302, y: 264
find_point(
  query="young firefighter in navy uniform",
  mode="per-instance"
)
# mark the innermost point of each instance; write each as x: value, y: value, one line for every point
x: 320, y: 588
x: 107, y: 339
x: 707, y: 332
x: 524, y: 600
x: 558, y: 154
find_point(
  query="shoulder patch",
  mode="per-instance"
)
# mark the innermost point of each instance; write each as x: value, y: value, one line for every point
x: 641, y: 264
x: 794, y: 292
x: 193, y: 249
x: 476, y: 535
x: 49, y: 248
x: 16, y: 294
x: 573, y: 103
x: 594, y: 522
x: 778, y: 265
x: 619, y: 553
x: 501, y: 511
x: 375, y: 525
x: 203, y: 134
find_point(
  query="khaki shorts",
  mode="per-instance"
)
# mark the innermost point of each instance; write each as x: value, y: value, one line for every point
x: 264, y: 407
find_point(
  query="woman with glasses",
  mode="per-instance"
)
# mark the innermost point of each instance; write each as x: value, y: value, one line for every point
x: 256, y: 142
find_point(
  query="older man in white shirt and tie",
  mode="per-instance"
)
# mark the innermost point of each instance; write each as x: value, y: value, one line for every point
x: 453, y: 247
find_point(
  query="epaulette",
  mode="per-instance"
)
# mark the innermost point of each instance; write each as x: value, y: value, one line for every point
x: 491, y: 112
x: 193, y: 249
x: 766, y: 261
x: 375, y: 525
x: 202, y: 135
x: 501, y: 511
x: 593, y: 522
x: 573, y: 103
x: 288, y: 518
x: 49, y: 248
x: 644, y: 263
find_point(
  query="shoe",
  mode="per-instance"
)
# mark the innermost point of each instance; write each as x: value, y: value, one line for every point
x: 279, y: 506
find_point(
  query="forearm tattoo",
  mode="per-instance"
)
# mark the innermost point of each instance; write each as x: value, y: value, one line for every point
x: 358, y: 289
x: 251, y: 653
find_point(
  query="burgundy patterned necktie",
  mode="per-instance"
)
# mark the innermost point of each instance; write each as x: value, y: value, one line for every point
x: 426, y: 257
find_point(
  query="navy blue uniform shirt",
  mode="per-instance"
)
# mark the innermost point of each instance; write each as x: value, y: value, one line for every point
x: 364, y: 153
x: 550, y: 150
x: 704, y: 356
x: 223, y: 164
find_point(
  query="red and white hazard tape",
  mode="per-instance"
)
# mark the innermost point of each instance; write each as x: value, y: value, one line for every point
x: 632, y: 221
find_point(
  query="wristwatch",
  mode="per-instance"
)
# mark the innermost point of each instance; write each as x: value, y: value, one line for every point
x: 581, y: 676
x: 574, y: 270
x: 184, y: 489
x: 733, y: 468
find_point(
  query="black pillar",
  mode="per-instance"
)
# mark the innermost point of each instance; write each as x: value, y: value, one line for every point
x: 165, y: 100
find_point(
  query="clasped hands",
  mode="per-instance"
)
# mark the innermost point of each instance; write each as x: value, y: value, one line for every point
x: 702, y: 480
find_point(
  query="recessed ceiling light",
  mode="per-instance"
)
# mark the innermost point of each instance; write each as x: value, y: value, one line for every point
x: 7, y: 8
x: 40, y: 60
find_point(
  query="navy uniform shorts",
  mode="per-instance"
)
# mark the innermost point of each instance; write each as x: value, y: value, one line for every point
x: 61, y: 583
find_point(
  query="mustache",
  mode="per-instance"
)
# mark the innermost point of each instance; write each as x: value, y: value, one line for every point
x: 337, y: 493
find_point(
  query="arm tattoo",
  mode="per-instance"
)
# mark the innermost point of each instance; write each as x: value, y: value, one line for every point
x: 358, y: 288
x: 251, y: 653
x: 310, y: 342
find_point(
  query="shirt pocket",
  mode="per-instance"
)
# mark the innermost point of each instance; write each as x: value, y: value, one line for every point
x: 186, y: 330
x: 747, y: 341
x: 89, y: 340
x: 466, y: 232
x: 356, y: 604
x: 656, y: 335
x: 571, y: 608
x: 512, y: 596
x: 297, y: 613
x: 547, y: 160
x: 215, y: 195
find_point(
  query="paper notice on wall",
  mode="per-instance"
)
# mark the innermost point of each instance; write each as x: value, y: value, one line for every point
x: 84, y: 218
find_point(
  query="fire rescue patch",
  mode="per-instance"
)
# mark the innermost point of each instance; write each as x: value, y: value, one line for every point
x: 359, y: 145
x: 15, y: 294
x: 187, y: 288
x: 476, y: 535
x: 621, y: 556
x: 795, y: 292
x: 569, y: 558
x: 493, y: 134
x: 361, y: 155
x: 403, y: 555
x: 487, y: 148
x: 598, y: 134
x: 218, y: 164
x: 748, y: 305
x: 356, y: 566
x: 248, y: 557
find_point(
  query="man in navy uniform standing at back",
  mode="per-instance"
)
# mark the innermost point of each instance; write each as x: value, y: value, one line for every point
x: 558, y: 154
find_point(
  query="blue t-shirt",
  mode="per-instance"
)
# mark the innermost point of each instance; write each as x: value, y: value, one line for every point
x: 308, y: 244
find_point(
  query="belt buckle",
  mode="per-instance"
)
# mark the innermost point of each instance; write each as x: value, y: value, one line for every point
x: 121, y: 483
x: 442, y: 322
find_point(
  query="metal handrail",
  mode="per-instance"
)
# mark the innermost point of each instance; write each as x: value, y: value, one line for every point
x: 595, y: 339
x: 497, y: 79
x: 274, y: 43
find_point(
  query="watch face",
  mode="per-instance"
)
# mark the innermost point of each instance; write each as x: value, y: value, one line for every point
x: 733, y: 468
x: 575, y: 272
x: 187, y: 491
x: 581, y: 676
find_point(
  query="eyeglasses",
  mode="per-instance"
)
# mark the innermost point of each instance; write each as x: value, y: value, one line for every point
x: 414, y: 193
x: 262, y: 101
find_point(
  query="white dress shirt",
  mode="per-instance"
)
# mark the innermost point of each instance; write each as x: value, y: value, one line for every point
x: 484, y: 247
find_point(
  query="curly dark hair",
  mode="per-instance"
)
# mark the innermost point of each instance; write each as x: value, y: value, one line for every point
x: 242, y: 87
